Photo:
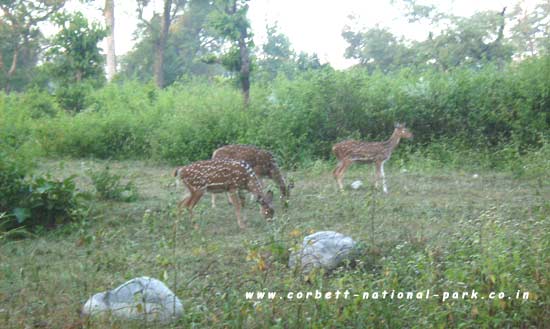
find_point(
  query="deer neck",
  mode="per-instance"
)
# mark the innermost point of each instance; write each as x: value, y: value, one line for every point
x: 279, y: 179
x: 393, y: 141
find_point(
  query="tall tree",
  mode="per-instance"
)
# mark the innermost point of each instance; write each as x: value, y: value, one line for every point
x: 376, y: 48
x: 530, y: 31
x: 190, y: 38
x: 233, y: 25
x: 277, y: 55
x: 19, y: 27
x: 75, y: 61
x: 471, y: 41
x: 170, y: 10
x: 109, y: 14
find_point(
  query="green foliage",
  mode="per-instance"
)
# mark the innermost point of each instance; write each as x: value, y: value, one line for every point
x: 184, y: 48
x: 48, y: 202
x: 37, y: 202
x: 75, y: 53
x: 76, y: 62
x: 21, y: 39
x: 110, y: 187
x: 11, y: 181
x: 231, y: 25
x: 278, y: 58
x: 489, y: 117
x: 471, y: 42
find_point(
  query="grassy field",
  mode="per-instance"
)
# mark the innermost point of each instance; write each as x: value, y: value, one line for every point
x: 439, y: 230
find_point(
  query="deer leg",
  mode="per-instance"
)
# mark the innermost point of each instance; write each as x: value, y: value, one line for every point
x: 340, y: 173
x: 193, y: 199
x: 213, y: 200
x: 235, y: 200
x: 378, y: 173
x: 183, y: 203
x: 336, y: 171
x: 242, y: 197
x: 383, y: 177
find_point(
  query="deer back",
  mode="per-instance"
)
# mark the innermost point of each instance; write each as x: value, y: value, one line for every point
x: 218, y: 175
x: 344, y: 149
x: 262, y: 162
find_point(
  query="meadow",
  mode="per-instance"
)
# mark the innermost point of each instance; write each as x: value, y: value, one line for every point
x: 439, y: 229
x: 87, y: 200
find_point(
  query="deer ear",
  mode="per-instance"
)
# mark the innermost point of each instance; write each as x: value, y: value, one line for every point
x: 268, y: 196
x: 291, y: 185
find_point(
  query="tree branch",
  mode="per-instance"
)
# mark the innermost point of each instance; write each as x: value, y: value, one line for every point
x: 140, y: 16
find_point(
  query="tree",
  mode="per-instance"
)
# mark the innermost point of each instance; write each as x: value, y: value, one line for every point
x: 530, y: 31
x: 376, y: 48
x: 160, y: 32
x: 231, y: 23
x: 277, y: 55
x: 20, y: 35
x: 75, y: 59
x: 190, y: 39
x: 470, y: 41
x: 109, y: 14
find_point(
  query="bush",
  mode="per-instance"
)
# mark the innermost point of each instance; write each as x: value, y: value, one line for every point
x: 12, y: 186
x: 48, y: 202
x: 109, y: 186
x: 39, y: 202
x: 477, y: 111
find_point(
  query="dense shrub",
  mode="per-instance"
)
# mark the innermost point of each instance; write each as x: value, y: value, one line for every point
x: 110, y: 186
x: 495, y: 115
x: 11, y: 182
x: 37, y: 202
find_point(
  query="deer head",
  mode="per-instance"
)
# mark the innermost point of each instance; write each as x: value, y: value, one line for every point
x: 266, y: 205
x: 401, y: 131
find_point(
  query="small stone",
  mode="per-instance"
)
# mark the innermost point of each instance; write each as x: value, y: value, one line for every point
x: 141, y: 298
x: 325, y: 249
x: 357, y: 184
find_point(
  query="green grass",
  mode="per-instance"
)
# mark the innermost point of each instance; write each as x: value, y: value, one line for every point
x: 439, y: 229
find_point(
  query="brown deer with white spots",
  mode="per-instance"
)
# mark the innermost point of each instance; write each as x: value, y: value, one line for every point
x: 219, y: 176
x: 353, y: 151
x: 261, y: 161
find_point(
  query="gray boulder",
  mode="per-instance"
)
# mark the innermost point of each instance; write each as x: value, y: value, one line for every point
x: 141, y: 298
x: 325, y: 249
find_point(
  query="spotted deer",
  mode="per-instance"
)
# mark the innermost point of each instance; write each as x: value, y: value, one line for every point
x: 261, y: 161
x: 219, y: 176
x: 354, y: 151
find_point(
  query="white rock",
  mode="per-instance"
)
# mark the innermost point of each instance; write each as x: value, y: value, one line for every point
x: 357, y: 184
x: 475, y: 176
x: 325, y: 249
x: 141, y: 298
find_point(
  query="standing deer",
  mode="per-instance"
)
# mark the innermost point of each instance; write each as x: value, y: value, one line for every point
x: 219, y: 176
x: 261, y: 161
x: 350, y: 151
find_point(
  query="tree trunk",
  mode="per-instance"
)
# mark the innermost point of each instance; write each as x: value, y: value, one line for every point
x: 109, y: 13
x: 245, y: 67
x: 161, y: 44
x: 12, y: 69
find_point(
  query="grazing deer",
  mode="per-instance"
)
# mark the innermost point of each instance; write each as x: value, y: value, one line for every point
x: 219, y: 176
x: 261, y: 161
x: 350, y: 151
